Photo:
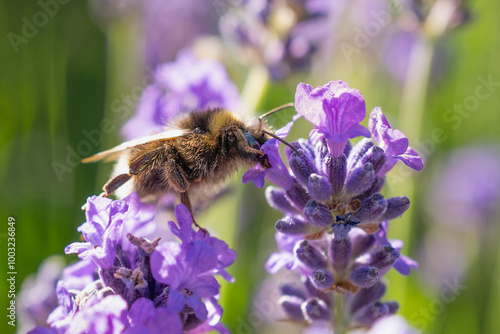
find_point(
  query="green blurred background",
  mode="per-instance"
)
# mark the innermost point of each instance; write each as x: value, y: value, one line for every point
x: 65, y: 79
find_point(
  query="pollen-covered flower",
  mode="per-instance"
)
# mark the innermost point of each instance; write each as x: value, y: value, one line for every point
x: 142, y: 286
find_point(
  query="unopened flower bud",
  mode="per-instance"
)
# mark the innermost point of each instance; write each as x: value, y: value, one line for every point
x: 302, y: 166
x: 376, y: 156
x: 298, y: 196
x: 364, y: 276
x: 315, y: 309
x: 337, y: 171
x: 292, y: 226
x: 318, y: 213
x: 322, y: 279
x: 371, y: 209
x: 358, y: 151
x: 310, y: 256
x: 292, y: 306
x: 276, y: 197
x: 396, y: 206
x: 319, y: 187
x: 360, y: 180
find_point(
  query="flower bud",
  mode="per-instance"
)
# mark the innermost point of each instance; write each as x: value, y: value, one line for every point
x: 302, y: 166
x: 310, y: 256
x: 298, y: 196
x: 371, y: 209
x: 292, y: 226
x: 315, y: 309
x: 337, y: 171
x: 380, y: 258
x: 319, y: 187
x: 396, y: 206
x: 360, y: 180
x: 322, y: 279
x: 367, y: 296
x: 291, y: 306
x: 358, y: 151
x: 376, y: 156
x: 290, y: 290
x: 321, y: 156
x: 276, y: 197
x: 364, y: 276
x: 376, y: 186
x: 361, y: 242
x: 370, y: 313
x: 318, y: 213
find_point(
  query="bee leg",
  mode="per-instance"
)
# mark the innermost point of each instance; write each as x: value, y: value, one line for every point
x: 254, y: 154
x: 115, y: 183
x: 187, y: 202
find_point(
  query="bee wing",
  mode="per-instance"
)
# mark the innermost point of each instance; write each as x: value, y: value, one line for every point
x: 115, y: 152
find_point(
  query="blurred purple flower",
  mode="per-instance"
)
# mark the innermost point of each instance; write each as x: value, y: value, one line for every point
x: 462, y: 204
x: 283, y: 36
x: 181, y: 86
x: 37, y: 296
x: 467, y: 189
x: 161, y: 18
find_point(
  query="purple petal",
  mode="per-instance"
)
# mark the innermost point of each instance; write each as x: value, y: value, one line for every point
x: 412, y: 159
x: 404, y: 265
x: 334, y: 109
x: 256, y: 175
x: 107, y: 316
x: 165, y: 264
x: 175, y: 301
x: 199, y: 308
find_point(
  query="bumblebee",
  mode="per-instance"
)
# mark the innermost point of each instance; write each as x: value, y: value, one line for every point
x: 195, y: 156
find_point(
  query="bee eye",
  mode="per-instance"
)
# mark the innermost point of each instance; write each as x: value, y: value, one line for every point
x: 251, y: 139
x: 199, y: 131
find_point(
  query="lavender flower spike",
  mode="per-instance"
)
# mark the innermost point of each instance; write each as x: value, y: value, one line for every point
x: 335, y: 110
x: 394, y: 143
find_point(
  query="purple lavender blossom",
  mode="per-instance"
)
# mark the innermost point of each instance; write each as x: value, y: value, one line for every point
x: 181, y: 86
x: 393, y: 142
x: 142, y: 286
x: 335, y: 110
x: 283, y: 36
x: 334, y: 230
x: 189, y: 19
x: 461, y: 204
x: 37, y: 296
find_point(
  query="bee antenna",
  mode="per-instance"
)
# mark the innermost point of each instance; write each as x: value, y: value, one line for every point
x: 270, y: 112
x: 281, y: 140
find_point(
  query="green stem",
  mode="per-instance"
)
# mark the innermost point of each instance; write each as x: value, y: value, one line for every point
x: 339, y: 324
x: 255, y: 87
